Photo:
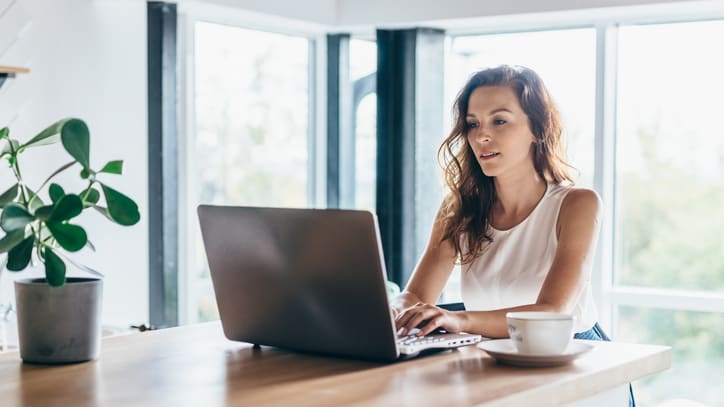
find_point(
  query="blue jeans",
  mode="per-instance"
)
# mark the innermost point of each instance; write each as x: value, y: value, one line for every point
x: 597, y: 334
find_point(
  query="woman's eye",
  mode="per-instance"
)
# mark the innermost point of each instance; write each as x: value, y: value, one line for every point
x: 498, y: 122
x: 472, y: 125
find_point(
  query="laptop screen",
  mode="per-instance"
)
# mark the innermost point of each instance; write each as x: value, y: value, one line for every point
x: 304, y: 279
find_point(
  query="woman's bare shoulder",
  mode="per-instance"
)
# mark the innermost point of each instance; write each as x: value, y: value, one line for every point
x: 581, y: 202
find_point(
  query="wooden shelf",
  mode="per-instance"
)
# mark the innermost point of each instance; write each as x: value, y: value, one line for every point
x: 10, y: 72
x: 13, y: 69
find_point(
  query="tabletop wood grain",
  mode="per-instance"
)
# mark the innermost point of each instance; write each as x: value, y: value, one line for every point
x: 196, y: 366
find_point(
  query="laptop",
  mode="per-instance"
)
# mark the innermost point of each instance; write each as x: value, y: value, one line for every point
x: 310, y: 280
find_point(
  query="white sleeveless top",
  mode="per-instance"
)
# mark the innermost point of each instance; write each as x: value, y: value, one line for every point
x: 511, y: 270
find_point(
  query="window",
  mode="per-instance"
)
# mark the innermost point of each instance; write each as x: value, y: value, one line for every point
x: 565, y: 59
x: 366, y: 153
x: 363, y: 68
x: 250, y: 142
x: 697, y: 354
x: 250, y: 146
x: 669, y: 200
x: 670, y: 158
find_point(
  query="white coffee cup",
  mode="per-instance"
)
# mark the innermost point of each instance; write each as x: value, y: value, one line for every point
x: 540, y: 333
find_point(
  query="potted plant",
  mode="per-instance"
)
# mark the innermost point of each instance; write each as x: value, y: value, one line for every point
x: 58, y: 316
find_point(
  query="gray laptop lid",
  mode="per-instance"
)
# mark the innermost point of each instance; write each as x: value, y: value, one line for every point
x: 304, y: 279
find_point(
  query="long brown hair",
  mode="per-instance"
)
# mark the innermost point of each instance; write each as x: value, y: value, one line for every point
x: 467, y: 207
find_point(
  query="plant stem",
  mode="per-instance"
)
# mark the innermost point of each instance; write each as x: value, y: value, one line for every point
x: 87, y: 190
x: 23, y: 188
x: 39, y: 240
x: 61, y: 169
x: 16, y: 171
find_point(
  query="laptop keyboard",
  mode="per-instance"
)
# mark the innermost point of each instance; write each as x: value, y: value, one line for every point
x: 416, y: 340
x: 411, y: 343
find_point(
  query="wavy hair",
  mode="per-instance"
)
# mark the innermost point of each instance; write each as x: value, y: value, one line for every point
x: 467, y: 207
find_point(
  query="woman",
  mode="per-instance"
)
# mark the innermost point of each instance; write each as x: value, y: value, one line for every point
x: 524, y: 235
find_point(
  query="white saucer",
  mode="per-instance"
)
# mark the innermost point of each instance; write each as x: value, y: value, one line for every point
x: 503, y: 351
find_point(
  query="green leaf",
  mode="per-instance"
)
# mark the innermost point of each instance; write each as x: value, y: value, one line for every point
x: 113, y: 167
x: 70, y: 237
x: 9, y: 146
x: 56, y: 172
x: 15, y: 217
x: 76, y: 140
x: 92, y: 197
x: 4, y: 132
x: 69, y: 206
x: 85, y: 173
x: 49, y: 135
x: 120, y: 207
x: 82, y: 266
x: 9, y: 195
x: 43, y: 213
x: 54, y: 268
x: 11, y: 240
x: 44, y: 231
x: 35, y: 201
x: 19, y: 256
x: 103, y: 211
x: 56, y: 192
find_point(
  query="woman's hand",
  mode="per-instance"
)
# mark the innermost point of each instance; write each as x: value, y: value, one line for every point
x: 394, y: 312
x: 427, y: 318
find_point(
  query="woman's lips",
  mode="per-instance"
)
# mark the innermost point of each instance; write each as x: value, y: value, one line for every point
x: 488, y: 156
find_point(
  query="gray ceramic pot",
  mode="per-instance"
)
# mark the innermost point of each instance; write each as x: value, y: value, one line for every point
x: 59, y: 324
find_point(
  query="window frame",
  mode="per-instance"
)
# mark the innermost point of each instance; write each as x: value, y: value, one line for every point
x: 621, y: 295
x: 609, y: 295
x: 190, y: 13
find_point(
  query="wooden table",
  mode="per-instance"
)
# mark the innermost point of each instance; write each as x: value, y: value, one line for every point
x: 196, y: 366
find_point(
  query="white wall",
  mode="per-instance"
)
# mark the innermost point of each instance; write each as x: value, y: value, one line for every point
x: 386, y: 12
x: 455, y: 16
x: 346, y: 13
x: 87, y: 59
x: 314, y: 11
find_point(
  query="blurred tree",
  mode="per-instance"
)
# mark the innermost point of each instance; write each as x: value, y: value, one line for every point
x: 670, y: 236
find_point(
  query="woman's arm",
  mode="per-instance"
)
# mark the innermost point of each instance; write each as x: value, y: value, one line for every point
x: 431, y: 273
x: 577, y: 229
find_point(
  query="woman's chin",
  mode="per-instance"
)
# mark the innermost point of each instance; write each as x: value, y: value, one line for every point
x: 489, y: 171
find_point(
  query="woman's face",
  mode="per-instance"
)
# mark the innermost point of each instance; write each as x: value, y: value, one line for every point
x: 498, y: 131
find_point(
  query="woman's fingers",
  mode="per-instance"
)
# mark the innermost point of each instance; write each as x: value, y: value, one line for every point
x: 403, y: 318
x: 414, y: 317
x: 419, y: 319
x: 432, y: 325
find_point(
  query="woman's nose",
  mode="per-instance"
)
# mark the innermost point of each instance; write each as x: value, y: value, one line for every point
x: 481, y: 134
